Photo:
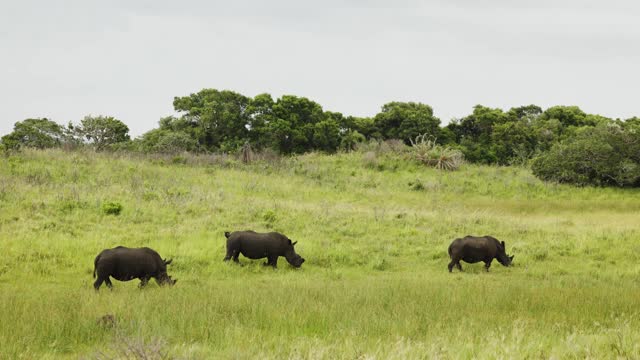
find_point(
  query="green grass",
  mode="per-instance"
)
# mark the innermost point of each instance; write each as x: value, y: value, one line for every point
x: 375, y: 284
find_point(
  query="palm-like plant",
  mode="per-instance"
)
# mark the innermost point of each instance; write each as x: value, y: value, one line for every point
x: 428, y: 152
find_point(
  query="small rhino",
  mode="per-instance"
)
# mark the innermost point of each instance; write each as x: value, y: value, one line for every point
x: 124, y: 264
x: 473, y: 249
x: 261, y: 245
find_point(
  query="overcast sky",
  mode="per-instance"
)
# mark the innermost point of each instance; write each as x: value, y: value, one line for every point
x: 128, y: 59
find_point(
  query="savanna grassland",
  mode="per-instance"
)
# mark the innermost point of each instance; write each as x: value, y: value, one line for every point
x: 374, y: 229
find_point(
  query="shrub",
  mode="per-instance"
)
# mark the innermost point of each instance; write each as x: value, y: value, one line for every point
x: 350, y: 140
x: 111, y: 208
x: 178, y: 160
x: 606, y: 155
x: 416, y: 185
x: 269, y: 216
x: 428, y: 152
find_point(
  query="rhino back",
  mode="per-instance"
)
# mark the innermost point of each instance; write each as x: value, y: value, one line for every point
x: 473, y: 248
x: 258, y: 245
x: 125, y: 263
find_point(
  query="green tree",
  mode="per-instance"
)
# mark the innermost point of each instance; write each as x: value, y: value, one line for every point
x: 605, y: 155
x: 350, y: 140
x: 634, y: 121
x: 220, y: 117
x: 527, y: 114
x: 367, y: 127
x: 260, y: 113
x: 446, y: 137
x: 513, y: 140
x: 103, y: 131
x: 547, y: 132
x: 474, y: 133
x: 36, y: 133
x: 326, y: 135
x: 406, y: 120
x: 282, y: 136
x: 295, y: 124
x: 566, y: 115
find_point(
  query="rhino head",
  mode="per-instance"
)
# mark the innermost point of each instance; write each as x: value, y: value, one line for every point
x: 164, y: 278
x: 292, y: 257
x: 502, y: 256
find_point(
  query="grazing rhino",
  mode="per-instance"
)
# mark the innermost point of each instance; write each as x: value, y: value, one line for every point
x: 473, y: 249
x: 125, y: 264
x: 261, y: 245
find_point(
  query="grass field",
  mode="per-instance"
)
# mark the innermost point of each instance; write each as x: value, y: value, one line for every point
x: 374, y: 230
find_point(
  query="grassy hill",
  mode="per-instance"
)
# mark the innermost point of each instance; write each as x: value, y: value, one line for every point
x: 374, y: 230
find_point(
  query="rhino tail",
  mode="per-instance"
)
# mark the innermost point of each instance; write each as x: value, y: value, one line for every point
x: 95, y: 265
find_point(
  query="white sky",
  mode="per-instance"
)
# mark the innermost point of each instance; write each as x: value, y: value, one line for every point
x: 129, y: 58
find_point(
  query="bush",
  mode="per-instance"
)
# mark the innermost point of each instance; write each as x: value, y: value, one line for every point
x: 350, y: 140
x: 174, y: 142
x: 269, y: 216
x: 111, y: 208
x: 416, y: 185
x: 428, y: 152
x: 606, y: 155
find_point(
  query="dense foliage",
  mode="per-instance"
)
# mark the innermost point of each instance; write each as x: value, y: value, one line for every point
x: 99, y: 132
x: 608, y: 154
x: 35, y: 133
x: 224, y: 121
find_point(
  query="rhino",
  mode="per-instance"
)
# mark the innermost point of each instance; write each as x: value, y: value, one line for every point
x: 261, y: 245
x: 473, y: 249
x: 124, y: 264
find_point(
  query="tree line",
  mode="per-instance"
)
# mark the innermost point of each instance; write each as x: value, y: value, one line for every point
x: 600, y: 150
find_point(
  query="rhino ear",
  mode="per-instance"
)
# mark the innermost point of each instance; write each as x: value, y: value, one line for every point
x: 502, y: 243
x: 295, y: 242
x: 168, y: 262
x: 227, y: 234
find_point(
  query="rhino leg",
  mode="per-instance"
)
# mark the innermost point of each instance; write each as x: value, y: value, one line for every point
x: 108, y: 282
x: 487, y: 265
x: 450, y: 266
x: 232, y: 254
x: 456, y: 263
x: 143, y: 282
x: 273, y: 261
x: 97, y: 283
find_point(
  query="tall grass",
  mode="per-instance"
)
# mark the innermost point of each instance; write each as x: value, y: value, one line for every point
x: 375, y: 284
